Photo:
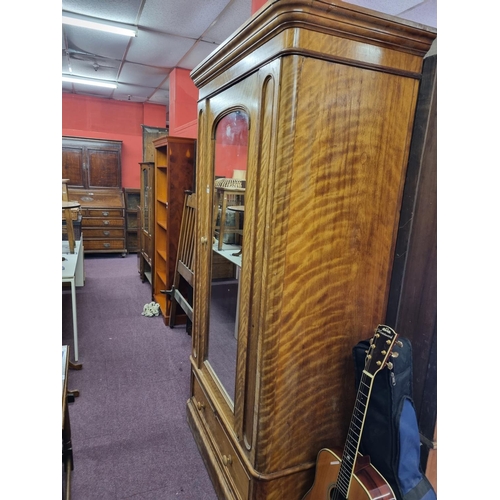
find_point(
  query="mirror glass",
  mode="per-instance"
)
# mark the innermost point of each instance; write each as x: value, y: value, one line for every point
x: 230, y: 164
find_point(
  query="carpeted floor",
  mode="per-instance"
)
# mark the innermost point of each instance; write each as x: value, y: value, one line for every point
x: 130, y: 435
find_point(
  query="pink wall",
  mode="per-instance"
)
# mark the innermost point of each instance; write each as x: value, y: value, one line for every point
x: 91, y: 117
x: 257, y: 4
x: 183, y: 105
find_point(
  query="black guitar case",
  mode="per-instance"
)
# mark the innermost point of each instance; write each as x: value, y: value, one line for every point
x: 391, y: 435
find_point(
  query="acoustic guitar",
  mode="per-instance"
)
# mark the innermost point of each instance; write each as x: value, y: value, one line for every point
x: 350, y: 475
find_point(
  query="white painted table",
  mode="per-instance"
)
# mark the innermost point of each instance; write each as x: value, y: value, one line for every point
x: 73, y: 272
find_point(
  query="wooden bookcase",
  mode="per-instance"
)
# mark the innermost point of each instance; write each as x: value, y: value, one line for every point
x: 174, y: 173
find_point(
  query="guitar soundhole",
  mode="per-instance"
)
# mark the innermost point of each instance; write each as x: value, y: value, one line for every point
x: 335, y: 494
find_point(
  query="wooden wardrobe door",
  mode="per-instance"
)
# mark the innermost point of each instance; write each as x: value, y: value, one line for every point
x: 72, y: 161
x: 103, y: 168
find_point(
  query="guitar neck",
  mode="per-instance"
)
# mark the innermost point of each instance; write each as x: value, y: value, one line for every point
x: 377, y: 355
x: 351, y: 447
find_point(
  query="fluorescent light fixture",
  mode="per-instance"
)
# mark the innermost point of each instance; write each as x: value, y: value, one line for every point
x: 109, y: 26
x: 96, y: 83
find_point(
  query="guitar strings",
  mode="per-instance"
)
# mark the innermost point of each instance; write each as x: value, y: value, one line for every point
x: 349, y: 455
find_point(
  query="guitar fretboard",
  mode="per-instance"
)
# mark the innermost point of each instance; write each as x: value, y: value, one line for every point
x: 353, y: 436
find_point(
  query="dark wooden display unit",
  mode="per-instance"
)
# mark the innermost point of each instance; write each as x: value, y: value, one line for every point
x: 146, y: 221
x: 132, y: 201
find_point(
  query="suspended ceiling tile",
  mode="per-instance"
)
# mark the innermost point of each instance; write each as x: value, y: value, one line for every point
x: 184, y: 18
x: 391, y: 7
x: 96, y: 42
x: 92, y: 91
x: 122, y: 11
x: 154, y: 49
x: 136, y: 92
x: 94, y: 67
x: 65, y: 65
x: 160, y: 97
x: 200, y: 51
x: 143, y: 75
x: 235, y: 14
x: 425, y: 13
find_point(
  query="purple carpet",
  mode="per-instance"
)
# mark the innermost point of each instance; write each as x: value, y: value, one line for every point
x: 130, y: 435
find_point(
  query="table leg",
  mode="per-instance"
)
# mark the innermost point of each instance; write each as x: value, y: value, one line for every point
x: 75, y: 323
x: 67, y: 452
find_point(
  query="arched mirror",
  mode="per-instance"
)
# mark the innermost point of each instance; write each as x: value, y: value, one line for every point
x: 230, y: 164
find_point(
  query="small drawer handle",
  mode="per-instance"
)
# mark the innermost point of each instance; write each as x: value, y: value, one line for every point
x: 107, y: 245
x: 200, y: 406
x: 227, y: 460
x: 106, y: 222
x: 106, y: 233
x: 105, y: 214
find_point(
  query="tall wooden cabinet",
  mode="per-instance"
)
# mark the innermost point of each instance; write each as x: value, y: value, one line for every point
x: 146, y: 221
x: 175, y: 159
x: 93, y: 170
x: 327, y: 93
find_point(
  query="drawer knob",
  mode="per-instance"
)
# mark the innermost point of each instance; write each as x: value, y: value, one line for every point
x: 106, y: 233
x: 105, y: 222
x: 107, y: 245
x: 200, y: 406
x: 227, y: 460
x: 204, y: 240
x: 105, y: 214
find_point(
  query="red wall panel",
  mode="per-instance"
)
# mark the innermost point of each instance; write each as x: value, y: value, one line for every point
x: 183, y: 107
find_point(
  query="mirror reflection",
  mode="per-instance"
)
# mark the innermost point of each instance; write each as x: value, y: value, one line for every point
x: 230, y: 165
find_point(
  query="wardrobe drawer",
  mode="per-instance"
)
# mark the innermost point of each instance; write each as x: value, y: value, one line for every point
x: 111, y: 244
x: 226, y: 453
x: 101, y: 222
x: 102, y: 212
x: 103, y: 233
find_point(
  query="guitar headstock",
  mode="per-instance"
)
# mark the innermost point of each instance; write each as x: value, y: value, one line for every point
x: 381, y: 346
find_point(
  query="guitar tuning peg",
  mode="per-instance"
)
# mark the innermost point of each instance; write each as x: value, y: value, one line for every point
x: 394, y: 354
x: 390, y: 365
x: 399, y: 343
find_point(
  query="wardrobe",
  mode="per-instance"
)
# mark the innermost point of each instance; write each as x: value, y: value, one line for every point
x: 319, y: 99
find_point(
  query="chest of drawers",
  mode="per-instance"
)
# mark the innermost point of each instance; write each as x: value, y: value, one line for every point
x: 103, y: 219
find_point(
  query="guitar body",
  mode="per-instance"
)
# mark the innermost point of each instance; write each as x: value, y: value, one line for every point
x: 366, y: 483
